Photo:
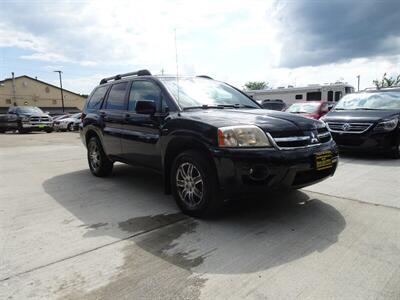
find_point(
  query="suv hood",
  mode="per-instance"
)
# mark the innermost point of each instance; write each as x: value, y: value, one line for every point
x: 360, y: 115
x: 269, y: 120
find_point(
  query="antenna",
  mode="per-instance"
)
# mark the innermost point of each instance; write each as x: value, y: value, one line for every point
x: 177, y: 68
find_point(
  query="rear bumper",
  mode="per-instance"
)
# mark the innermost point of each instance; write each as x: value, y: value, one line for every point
x: 369, y: 141
x: 244, y: 171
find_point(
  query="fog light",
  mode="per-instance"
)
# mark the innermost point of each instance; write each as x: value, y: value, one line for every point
x: 258, y: 172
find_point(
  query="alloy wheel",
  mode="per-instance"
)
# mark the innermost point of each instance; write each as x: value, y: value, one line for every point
x: 94, y: 156
x: 189, y: 183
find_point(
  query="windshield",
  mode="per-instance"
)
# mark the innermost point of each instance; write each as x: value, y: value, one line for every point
x: 198, y: 92
x: 29, y: 110
x: 370, y: 101
x: 303, y: 108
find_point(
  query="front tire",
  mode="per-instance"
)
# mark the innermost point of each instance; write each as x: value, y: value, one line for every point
x: 396, y: 151
x: 194, y: 184
x: 70, y: 127
x: 100, y: 165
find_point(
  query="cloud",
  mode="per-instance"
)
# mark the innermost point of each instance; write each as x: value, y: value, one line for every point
x: 98, y: 33
x: 322, y: 32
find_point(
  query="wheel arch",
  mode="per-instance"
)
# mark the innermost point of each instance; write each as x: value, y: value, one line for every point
x: 179, y: 145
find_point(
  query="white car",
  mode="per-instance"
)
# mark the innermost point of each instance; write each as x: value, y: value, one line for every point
x: 70, y: 123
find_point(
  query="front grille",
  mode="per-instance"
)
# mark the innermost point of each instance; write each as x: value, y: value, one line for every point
x: 348, y: 127
x: 301, y: 139
x: 39, y: 119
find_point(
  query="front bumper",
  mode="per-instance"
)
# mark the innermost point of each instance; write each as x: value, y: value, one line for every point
x: 37, y: 126
x: 244, y: 171
x: 368, y: 141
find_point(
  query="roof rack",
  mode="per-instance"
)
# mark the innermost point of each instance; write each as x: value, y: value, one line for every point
x: 204, y: 76
x: 120, y: 76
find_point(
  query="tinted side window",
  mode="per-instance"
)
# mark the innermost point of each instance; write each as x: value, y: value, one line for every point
x: 97, y: 97
x: 330, y: 95
x: 311, y: 96
x: 116, y: 97
x: 338, y: 95
x: 144, y: 90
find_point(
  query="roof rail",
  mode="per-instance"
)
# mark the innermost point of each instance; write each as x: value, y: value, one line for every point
x: 204, y: 76
x: 120, y: 76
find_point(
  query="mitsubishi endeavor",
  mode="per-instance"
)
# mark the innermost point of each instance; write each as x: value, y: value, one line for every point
x: 209, y: 140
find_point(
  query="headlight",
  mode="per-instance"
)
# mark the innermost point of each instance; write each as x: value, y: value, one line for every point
x: 242, y: 136
x: 387, y: 125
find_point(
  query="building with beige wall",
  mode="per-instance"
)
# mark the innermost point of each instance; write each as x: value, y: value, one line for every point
x: 33, y: 92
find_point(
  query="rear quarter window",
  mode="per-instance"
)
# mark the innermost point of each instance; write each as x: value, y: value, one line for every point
x: 97, y: 97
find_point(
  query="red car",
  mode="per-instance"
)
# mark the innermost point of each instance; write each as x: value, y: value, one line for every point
x: 310, y: 109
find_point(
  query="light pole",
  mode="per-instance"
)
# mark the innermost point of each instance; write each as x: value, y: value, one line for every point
x: 62, y: 94
x: 358, y: 83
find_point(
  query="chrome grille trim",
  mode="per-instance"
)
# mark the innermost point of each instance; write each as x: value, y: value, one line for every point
x: 292, y: 139
x: 275, y: 141
x: 354, y: 127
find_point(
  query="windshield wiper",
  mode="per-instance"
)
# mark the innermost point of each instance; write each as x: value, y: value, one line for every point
x: 219, y: 106
x: 205, y: 106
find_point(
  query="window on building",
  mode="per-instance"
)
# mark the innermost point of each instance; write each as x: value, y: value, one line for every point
x: 47, y: 89
x: 97, y: 97
x: 8, y: 101
x: 54, y: 101
x: 330, y: 95
x: 299, y: 97
x: 144, y: 90
x: 338, y: 95
x: 314, y: 96
x: 348, y: 90
x: 116, y: 97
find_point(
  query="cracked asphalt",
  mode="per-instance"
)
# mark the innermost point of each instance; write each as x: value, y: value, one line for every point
x: 65, y: 234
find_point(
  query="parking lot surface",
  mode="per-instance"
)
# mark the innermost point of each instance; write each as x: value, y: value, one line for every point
x: 66, y: 234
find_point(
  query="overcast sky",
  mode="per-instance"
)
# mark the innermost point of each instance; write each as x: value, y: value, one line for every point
x: 285, y: 42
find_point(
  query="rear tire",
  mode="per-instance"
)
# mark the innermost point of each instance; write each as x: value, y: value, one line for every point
x: 194, y: 184
x: 70, y: 127
x: 100, y: 165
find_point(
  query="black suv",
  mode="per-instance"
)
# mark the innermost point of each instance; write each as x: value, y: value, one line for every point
x: 210, y: 141
x: 367, y: 121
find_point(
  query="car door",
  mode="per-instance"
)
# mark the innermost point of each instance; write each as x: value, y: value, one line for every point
x: 112, y: 118
x: 142, y: 131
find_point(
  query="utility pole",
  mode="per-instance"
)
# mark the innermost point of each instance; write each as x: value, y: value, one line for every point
x: 358, y: 83
x: 62, y: 94
x: 14, y: 90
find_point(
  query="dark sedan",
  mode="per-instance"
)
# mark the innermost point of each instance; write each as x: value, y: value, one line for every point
x: 367, y: 121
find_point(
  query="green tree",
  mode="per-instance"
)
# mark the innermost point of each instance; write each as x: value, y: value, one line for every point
x: 387, y: 81
x: 255, y: 85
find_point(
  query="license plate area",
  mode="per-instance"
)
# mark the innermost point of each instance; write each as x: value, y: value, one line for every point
x: 41, y: 126
x: 323, y: 160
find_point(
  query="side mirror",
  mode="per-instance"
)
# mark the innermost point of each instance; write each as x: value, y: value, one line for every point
x: 146, y: 107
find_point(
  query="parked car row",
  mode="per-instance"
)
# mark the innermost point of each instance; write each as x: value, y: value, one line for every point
x: 367, y: 121
x: 30, y: 118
